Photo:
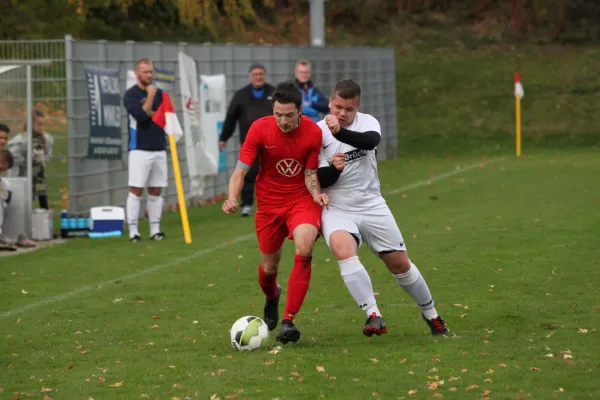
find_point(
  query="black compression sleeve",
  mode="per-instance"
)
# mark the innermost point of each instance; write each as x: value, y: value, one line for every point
x: 361, y: 140
x: 328, y: 176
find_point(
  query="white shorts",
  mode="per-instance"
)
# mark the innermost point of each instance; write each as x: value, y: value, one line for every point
x: 148, y: 169
x: 376, y: 227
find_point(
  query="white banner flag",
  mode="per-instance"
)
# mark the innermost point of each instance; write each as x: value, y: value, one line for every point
x: 213, y: 96
x: 190, y: 100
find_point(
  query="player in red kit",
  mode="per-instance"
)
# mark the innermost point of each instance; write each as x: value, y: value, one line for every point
x: 289, y: 200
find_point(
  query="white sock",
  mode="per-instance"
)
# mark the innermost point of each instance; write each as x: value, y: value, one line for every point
x: 1, y: 215
x: 155, y: 206
x: 414, y: 284
x: 359, y: 284
x: 133, y: 214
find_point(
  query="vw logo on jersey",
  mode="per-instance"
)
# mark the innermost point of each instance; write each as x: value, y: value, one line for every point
x: 288, y: 167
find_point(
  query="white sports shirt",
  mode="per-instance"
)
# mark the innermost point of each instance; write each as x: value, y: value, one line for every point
x: 358, y: 186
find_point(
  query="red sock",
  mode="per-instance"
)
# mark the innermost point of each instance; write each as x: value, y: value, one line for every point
x: 268, y: 283
x: 297, y: 286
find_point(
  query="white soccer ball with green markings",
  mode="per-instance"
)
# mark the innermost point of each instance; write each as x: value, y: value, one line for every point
x: 248, y: 333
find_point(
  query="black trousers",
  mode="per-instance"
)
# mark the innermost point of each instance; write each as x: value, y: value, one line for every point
x: 249, y: 182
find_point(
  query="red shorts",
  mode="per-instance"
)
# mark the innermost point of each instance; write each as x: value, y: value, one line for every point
x: 273, y: 225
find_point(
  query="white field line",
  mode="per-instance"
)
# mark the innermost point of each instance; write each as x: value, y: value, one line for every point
x: 203, y: 252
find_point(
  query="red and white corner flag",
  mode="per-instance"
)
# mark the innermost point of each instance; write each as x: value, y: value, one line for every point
x: 518, y: 87
x: 166, y: 118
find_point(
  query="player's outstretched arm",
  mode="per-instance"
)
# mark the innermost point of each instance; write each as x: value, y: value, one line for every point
x: 235, y: 187
x: 314, y: 187
x: 367, y: 140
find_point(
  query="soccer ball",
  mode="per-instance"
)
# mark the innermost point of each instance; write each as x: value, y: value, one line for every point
x: 248, y: 333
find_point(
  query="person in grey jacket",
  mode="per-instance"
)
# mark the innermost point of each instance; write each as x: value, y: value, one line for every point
x: 42, y: 152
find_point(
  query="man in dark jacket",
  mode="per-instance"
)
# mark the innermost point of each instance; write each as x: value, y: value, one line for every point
x: 249, y: 103
x: 313, y: 100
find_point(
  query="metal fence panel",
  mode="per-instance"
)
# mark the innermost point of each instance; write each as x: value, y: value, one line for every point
x: 62, y: 89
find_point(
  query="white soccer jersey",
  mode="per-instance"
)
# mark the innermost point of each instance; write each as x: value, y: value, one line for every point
x: 358, y: 187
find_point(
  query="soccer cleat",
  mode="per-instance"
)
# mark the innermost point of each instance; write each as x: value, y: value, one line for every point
x: 135, y: 238
x: 375, y: 325
x: 271, y: 315
x: 437, y: 325
x: 23, y: 241
x: 246, y: 211
x: 288, y: 332
x: 6, y: 244
x: 158, y: 236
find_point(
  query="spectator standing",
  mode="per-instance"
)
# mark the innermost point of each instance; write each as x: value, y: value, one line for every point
x: 42, y: 152
x: 249, y: 103
x: 6, y: 163
x: 313, y: 100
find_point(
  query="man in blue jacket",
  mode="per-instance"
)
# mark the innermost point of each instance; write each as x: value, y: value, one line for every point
x: 313, y: 100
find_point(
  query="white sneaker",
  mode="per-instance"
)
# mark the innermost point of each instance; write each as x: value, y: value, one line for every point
x: 246, y: 211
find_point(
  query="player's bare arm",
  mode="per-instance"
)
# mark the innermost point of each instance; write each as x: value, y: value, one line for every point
x: 312, y: 184
x: 361, y: 140
x: 147, y: 106
x: 235, y: 187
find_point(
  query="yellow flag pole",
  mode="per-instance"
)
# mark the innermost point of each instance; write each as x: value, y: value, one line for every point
x: 180, y: 195
x: 518, y: 93
x: 518, y: 124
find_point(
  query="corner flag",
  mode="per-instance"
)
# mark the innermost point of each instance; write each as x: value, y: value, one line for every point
x: 166, y: 118
x: 519, y: 93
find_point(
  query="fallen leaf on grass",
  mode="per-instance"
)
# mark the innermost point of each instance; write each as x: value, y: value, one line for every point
x: 472, y: 387
x: 155, y: 326
x: 177, y: 386
x: 581, y: 330
x: 488, y: 380
x: 453, y: 378
x: 535, y: 369
x: 320, y: 368
x: 19, y: 320
x: 211, y: 284
x: 117, y: 300
x: 452, y: 389
x: 24, y: 291
x: 502, y: 365
x: 45, y: 389
x: 268, y: 363
x: 47, y: 398
x: 116, y: 384
x: 596, y: 307
x: 275, y: 350
x: 412, y: 391
x: 374, y: 360
x: 155, y: 317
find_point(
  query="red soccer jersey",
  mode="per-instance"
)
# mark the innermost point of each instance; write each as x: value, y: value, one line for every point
x: 282, y: 158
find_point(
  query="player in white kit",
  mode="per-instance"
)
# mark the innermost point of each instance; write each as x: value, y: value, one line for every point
x: 358, y: 212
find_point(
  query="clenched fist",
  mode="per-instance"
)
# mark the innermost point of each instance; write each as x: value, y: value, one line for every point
x: 333, y: 123
x: 339, y: 161
x: 230, y: 206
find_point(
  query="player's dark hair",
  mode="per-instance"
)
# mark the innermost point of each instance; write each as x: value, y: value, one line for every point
x: 7, y: 157
x: 4, y: 128
x: 286, y: 92
x: 347, y: 89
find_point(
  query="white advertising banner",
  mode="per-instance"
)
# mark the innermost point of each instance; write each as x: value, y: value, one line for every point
x: 213, y: 97
x: 190, y: 100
